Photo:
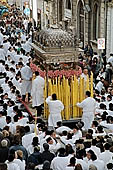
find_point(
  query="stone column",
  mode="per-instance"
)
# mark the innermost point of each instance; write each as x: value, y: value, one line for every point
x: 54, y: 11
x: 74, y: 15
x: 109, y: 42
x: 102, y: 20
x: 86, y: 32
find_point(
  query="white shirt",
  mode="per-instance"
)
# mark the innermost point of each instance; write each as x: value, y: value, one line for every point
x: 2, y: 68
x: 59, y: 130
x: 59, y: 163
x: 99, y: 86
x: 84, y: 76
x: 106, y: 156
x: 98, y: 163
x: 95, y: 149
x: 27, y: 139
x: 88, y: 105
x: 1, y: 38
x: 55, y: 106
x: 77, y: 135
x: 2, y: 54
x: 110, y: 60
x: 82, y: 163
x: 12, y: 166
x: 38, y: 91
x: 20, y: 163
x: 26, y: 73
x: 2, y: 122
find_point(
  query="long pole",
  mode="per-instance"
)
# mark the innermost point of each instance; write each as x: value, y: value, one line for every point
x: 43, y: 15
x: 105, y: 25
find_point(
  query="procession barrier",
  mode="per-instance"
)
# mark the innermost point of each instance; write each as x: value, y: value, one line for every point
x: 69, y: 91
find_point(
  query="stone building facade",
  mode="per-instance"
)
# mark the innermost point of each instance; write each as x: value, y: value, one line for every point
x: 88, y: 19
x: 109, y: 29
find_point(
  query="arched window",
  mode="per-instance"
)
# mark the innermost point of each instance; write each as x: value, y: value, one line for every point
x: 95, y: 22
x: 80, y: 18
x: 60, y: 10
x: 68, y: 4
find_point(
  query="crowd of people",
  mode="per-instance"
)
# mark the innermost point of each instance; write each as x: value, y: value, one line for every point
x: 29, y: 145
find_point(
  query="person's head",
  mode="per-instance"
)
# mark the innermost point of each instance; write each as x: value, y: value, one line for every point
x: 53, y: 134
x: 109, y: 166
x: 40, y: 126
x: 11, y: 157
x: 78, y: 167
x: 103, y: 117
x: 19, y: 154
x: 11, y: 103
x: 102, y: 79
x: 85, y: 71
x: 36, y: 73
x: 69, y: 136
x: 100, y: 129
x: 46, y: 146
x: 111, y: 54
x: 72, y: 161
x: 31, y: 166
x: 69, y: 149
x: 20, y: 64
x: 91, y: 155
x: 109, y: 98
x: 1, y: 113
x: 15, y: 118
x: 27, y: 129
x: 94, y: 142
x: 109, y: 119
x: 17, y: 139
x: 46, y: 165
x: 107, y: 146
x: 94, y: 124
x: 8, y: 119
x: 81, y: 153
x: 61, y: 152
x: 36, y: 149
x: 111, y: 106
x: 3, y: 166
x: 64, y: 133
x: 5, y: 133
x: 49, y: 140
x: 4, y: 143
x: 54, y: 96
x: 59, y: 124
x: 35, y: 141
x: 88, y: 94
x: 15, y: 108
x: 76, y: 128
x: 111, y: 92
x: 92, y: 167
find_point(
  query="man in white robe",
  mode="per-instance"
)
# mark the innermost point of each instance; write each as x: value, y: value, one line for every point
x: 26, y: 74
x: 26, y: 46
x: 55, y: 108
x: 100, y: 84
x: 2, y: 68
x: 106, y: 156
x: 85, y: 74
x: 3, y: 122
x: 2, y: 53
x: 61, y: 161
x: 38, y: 92
x: 110, y: 59
x: 1, y: 38
x: 89, y: 106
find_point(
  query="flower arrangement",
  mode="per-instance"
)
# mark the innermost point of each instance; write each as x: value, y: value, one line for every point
x: 57, y: 73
